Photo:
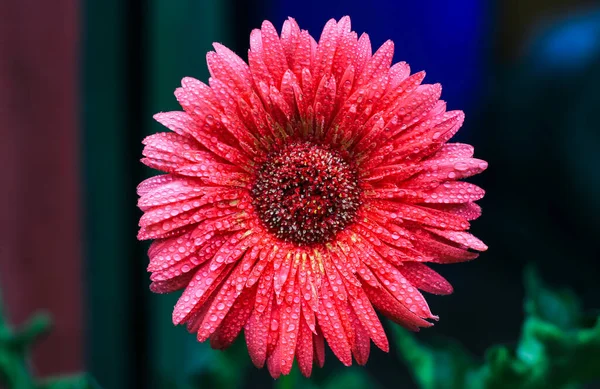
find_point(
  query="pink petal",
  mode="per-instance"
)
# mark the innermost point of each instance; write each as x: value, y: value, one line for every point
x: 366, y: 314
x: 462, y: 238
x: 362, y: 341
x: 424, y: 278
x: 304, y: 349
x: 378, y: 64
x: 273, y: 54
x: 256, y: 332
x: 234, y: 321
x: 332, y: 327
x: 205, y: 281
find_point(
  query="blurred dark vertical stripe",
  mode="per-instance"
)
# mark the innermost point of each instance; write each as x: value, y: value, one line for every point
x: 246, y: 15
x: 137, y: 80
x: 113, y: 98
x: 40, y: 253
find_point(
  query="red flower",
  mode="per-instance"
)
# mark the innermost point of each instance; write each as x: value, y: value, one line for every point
x: 303, y: 190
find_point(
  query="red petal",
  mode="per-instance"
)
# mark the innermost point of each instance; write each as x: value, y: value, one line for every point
x: 425, y: 278
x: 303, y: 55
x: 234, y: 321
x: 393, y: 309
x: 229, y: 68
x: 436, y: 171
x: 290, y: 323
x: 326, y: 50
x: 230, y: 119
x: 362, y: 342
x: 171, y: 285
x: 396, y: 97
x: 205, y: 282
x: 442, y: 252
x: 398, y: 286
x: 462, y: 238
x: 319, y: 346
x: 223, y: 302
x: 367, y: 316
x: 177, y: 121
x: 170, y: 265
x: 324, y: 103
x: 363, y: 53
x: 332, y: 327
x: 453, y: 192
x: 398, y: 73
x: 345, y: 53
x: 274, y: 362
x: 171, y: 192
x: 273, y: 346
x: 304, y: 349
x: 429, y: 216
x: 273, y: 54
x: 379, y: 63
x: 290, y: 34
x: 454, y: 150
x: 256, y: 332
x: 468, y: 211
x: 258, y: 68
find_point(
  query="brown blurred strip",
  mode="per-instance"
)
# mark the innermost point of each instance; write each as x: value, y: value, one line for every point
x: 40, y: 234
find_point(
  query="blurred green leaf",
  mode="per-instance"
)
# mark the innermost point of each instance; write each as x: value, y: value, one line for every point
x: 291, y: 381
x: 81, y: 381
x: 443, y: 367
x: 556, y: 350
x: 350, y: 378
x: 559, y: 307
x: 354, y: 377
x: 214, y: 369
x: 36, y: 327
x: 14, y: 356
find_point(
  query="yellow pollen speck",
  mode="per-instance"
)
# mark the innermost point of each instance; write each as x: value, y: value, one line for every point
x: 319, y: 262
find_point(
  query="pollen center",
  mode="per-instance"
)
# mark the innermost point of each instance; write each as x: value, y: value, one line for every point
x: 306, y: 193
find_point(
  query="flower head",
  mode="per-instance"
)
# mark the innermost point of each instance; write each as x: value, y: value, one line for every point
x: 304, y: 190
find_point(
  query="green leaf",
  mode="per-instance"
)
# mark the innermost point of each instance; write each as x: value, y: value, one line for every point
x: 557, y: 349
x: 36, y: 327
x: 80, y: 381
x: 444, y: 366
x: 213, y: 368
x: 290, y: 381
x: 350, y: 378
x: 14, y: 350
x: 559, y: 307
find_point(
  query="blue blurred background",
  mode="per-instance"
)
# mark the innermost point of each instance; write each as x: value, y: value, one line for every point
x: 80, y: 81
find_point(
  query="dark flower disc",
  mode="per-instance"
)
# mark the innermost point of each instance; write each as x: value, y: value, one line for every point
x: 306, y: 193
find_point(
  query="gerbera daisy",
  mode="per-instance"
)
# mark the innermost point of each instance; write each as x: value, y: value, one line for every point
x: 304, y: 190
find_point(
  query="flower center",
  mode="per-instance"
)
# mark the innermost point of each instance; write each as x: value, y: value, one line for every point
x: 306, y: 193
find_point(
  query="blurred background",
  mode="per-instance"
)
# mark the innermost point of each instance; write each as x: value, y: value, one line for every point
x: 80, y: 80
